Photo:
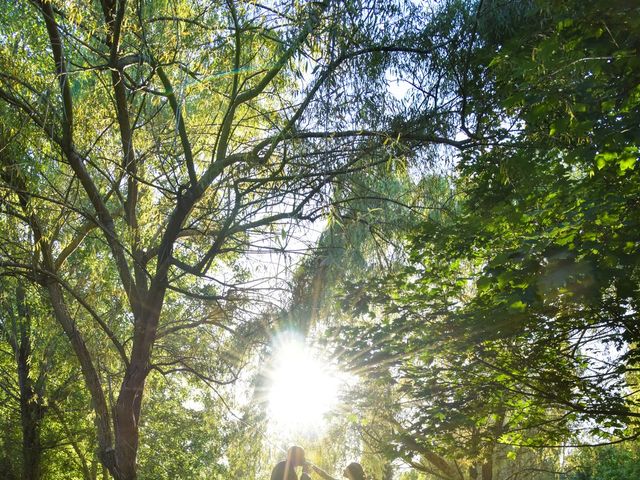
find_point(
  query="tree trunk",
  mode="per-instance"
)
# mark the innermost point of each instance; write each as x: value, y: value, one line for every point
x: 89, y: 373
x: 31, y: 415
x: 31, y: 410
x: 129, y: 403
x: 487, y: 470
x: 126, y: 418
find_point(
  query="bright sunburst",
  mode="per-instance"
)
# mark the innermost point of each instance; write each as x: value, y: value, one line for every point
x: 303, y: 387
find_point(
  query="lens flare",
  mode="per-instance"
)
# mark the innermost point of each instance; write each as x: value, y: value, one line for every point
x: 303, y: 388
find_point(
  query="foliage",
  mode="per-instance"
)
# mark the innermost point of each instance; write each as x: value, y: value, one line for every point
x: 43, y: 403
x: 156, y: 156
x: 181, y: 179
x: 516, y: 320
x: 606, y: 463
x: 552, y: 242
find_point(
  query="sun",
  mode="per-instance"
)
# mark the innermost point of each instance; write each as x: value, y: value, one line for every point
x: 303, y: 387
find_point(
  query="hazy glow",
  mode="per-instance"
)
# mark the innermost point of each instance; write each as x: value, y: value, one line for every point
x: 303, y: 388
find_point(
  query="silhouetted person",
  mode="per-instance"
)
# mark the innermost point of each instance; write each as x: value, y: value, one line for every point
x: 286, y: 470
x: 353, y: 471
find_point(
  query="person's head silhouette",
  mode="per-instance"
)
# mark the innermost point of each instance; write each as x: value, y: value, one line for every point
x: 286, y: 470
x: 295, y: 456
x: 354, y: 471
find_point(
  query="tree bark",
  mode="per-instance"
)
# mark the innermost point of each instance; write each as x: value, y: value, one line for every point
x: 91, y: 378
x: 31, y: 409
x: 129, y: 403
x: 487, y: 470
x: 31, y: 416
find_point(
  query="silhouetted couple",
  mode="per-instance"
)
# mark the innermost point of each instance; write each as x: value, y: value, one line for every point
x: 286, y: 470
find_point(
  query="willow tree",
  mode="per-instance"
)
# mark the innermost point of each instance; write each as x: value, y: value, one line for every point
x: 152, y: 149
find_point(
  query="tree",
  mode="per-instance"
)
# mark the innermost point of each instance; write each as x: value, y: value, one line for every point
x: 606, y: 463
x: 516, y: 317
x: 429, y: 397
x: 150, y: 147
x: 552, y: 236
x: 17, y: 332
x: 39, y: 414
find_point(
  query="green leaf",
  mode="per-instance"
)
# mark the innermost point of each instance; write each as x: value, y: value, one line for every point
x: 627, y: 163
x: 518, y: 305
